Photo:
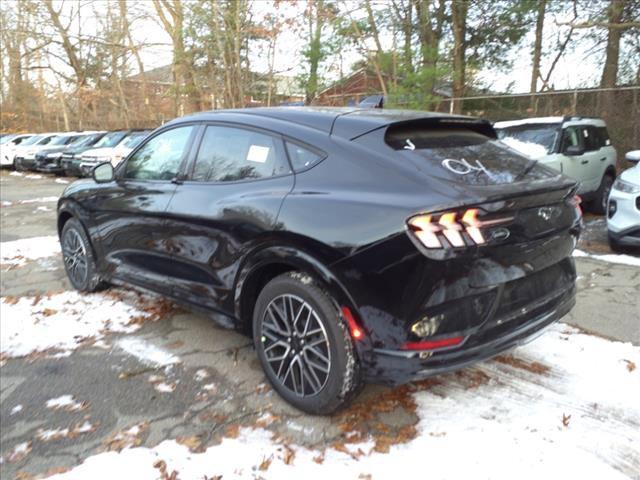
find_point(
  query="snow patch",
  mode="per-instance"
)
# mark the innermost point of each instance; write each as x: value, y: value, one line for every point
x: 163, y: 387
x: 612, y: 258
x: 65, y: 402
x: 530, y: 149
x: 16, y: 174
x: 33, y: 177
x: 18, y: 252
x: 576, y: 419
x: 39, y: 200
x: 60, y: 180
x: 147, y: 353
x: 527, y: 121
x: 16, y: 409
x: 63, y: 321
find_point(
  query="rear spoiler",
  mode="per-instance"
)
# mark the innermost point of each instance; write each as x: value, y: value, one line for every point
x: 478, y: 125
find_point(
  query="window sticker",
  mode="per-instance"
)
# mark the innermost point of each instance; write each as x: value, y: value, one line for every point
x: 257, y: 154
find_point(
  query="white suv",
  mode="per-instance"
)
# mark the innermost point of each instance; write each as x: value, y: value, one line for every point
x: 579, y: 147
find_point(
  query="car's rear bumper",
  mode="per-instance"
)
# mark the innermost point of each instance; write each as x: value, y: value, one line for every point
x: 628, y: 237
x: 394, y: 367
x: 71, y: 167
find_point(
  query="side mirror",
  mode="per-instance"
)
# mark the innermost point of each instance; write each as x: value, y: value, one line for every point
x: 103, y: 173
x: 633, y: 156
x: 573, y: 150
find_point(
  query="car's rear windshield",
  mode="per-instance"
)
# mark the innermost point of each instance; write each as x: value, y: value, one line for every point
x: 526, y: 138
x: 464, y: 155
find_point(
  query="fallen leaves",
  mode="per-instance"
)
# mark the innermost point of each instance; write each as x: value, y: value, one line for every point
x: 289, y: 455
x: 164, y: 475
x: 631, y: 366
x: 128, y: 437
x: 565, y: 419
x: 266, y: 462
x: 194, y: 443
x: 533, y: 367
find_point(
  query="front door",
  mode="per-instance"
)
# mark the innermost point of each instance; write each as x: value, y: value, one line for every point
x: 229, y: 202
x: 575, y: 166
x: 130, y: 213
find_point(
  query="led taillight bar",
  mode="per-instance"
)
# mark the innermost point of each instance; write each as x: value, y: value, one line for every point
x: 451, y: 225
x: 433, y: 344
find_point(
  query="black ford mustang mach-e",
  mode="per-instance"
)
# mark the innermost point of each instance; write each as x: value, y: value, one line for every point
x: 352, y: 245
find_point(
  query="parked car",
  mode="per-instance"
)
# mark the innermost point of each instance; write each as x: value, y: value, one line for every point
x: 128, y: 144
x: 49, y: 160
x: 100, y: 152
x: 61, y: 141
x: 351, y: 245
x: 9, y: 147
x: 25, y: 157
x: 579, y: 147
x: 623, y: 210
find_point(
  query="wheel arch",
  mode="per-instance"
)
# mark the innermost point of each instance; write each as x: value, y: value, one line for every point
x: 264, y: 265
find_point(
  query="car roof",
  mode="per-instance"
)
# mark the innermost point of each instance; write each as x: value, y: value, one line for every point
x: 347, y: 122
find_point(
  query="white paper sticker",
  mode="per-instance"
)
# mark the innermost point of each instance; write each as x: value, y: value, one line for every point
x: 257, y: 154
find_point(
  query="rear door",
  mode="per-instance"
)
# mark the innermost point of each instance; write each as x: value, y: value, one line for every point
x: 129, y: 214
x: 575, y: 166
x: 593, y: 156
x: 228, y: 204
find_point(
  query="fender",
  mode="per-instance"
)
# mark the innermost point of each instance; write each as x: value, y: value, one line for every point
x: 295, y: 258
x: 68, y: 205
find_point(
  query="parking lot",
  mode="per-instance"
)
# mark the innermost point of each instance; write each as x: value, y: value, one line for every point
x: 121, y: 383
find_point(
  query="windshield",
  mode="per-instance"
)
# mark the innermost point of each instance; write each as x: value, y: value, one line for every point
x: 134, y: 140
x: 110, y: 140
x: 6, y: 138
x: 87, y: 140
x: 46, y: 139
x: 532, y: 140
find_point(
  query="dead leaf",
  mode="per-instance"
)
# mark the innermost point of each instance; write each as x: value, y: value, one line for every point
x: 47, y: 312
x: 232, y: 431
x: 174, y: 345
x: 264, y: 465
x: 289, y: 455
x: 630, y: 365
x: 194, y: 444
x: 11, y: 300
x: 319, y: 459
x: 565, y: 419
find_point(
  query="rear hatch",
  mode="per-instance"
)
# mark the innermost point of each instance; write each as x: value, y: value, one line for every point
x: 491, y: 194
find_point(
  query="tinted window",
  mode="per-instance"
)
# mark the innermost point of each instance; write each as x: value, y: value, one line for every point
x: 462, y: 155
x: 160, y: 157
x: 110, y: 140
x: 229, y: 154
x: 604, y: 136
x: 591, y: 138
x: 301, y: 157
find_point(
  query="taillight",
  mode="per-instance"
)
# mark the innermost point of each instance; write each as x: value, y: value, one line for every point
x: 354, y: 329
x: 433, y: 344
x: 458, y: 229
x: 576, y: 201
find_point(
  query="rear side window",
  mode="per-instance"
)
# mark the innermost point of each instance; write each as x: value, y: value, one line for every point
x: 229, y: 154
x: 570, y: 138
x: 301, y: 157
x: 605, y: 141
x: 591, y: 139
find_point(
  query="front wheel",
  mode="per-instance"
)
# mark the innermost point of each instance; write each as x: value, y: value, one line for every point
x: 599, y: 203
x: 304, y: 345
x: 79, y: 261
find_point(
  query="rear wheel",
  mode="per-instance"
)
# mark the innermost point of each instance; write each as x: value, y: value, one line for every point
x: 599, y: 203
x: 79, y: 261
x: 304, y: 346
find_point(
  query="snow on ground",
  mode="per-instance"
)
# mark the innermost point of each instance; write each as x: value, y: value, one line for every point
x: 39, y: 200
x: 613, y: 258
x: 33, y: 176
x: 529, y: 149
x: 18, y: 252
x: 60, y: 180
x: 65, y: 402
x: 63, y: 321
x: 565, y: 406
x: 146, y: 352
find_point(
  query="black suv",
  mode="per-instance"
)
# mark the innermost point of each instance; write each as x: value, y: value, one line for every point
x: 352, y: 245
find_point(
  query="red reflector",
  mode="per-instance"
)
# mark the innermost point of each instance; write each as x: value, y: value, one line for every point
x: 433, y: 344
x: 354, y: 329
x: 576, y: 201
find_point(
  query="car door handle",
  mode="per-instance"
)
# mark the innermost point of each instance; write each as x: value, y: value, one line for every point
x: 584, y: 162
x: 603, y: 159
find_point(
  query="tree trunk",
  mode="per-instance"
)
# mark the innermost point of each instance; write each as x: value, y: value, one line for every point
x: 537, y: 48
x: 610, y: 71
x: 459, y: 24
x: 315, y: 32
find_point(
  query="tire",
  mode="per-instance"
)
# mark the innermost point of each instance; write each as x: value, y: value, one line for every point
x: 79, y: 260
x: 599, y: 203
x: 285, y: 348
